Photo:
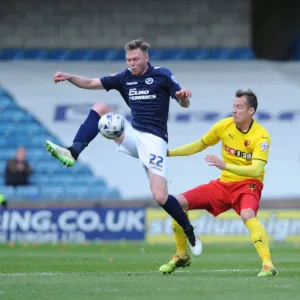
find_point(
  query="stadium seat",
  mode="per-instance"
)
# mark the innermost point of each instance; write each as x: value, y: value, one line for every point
x: 6, y: 128
x: 8, y: 191
x: 96, y: 181
x: 61, y: 179
x: 2, y: 167
x: 38, y: 179
x: 30, y: 192
x: 7, y: 153
x: 77, y: 192
x: 80, y: 169
x: 49, y: 167
x: 52, y: 192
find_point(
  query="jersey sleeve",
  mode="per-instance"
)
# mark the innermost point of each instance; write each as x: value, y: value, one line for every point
x: 111, y: 82
x: 172, y: 84
x: 213, y: 136
x: 262, y: 148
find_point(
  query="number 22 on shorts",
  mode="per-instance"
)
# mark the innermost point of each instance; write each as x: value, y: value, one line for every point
x: 156, y: 160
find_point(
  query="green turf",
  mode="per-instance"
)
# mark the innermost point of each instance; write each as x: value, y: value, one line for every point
x: 130, y: 271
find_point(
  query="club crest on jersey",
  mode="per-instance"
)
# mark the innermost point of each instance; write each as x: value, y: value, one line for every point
x: 149, y: 80
x: 264, y: 146
x: 252, y: 187
x: 247, y: 143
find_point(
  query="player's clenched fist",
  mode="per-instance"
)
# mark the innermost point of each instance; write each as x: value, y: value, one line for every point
x: 183, y: 94
x: 61, y: 76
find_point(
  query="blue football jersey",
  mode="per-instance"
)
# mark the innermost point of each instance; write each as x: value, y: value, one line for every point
x: 148, y: 97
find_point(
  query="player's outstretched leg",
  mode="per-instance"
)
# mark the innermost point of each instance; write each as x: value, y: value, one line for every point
x: 260, y: 241
x: 173, y: 208
x: 85, y: 134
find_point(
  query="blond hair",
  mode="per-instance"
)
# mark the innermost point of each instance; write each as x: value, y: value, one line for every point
x: 137, y: 44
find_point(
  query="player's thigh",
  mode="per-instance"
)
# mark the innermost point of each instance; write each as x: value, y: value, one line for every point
x: 127, y: 142
x: 211, y: 196
x: 152, y: 151
x: 197, y: 198
x: 246, y: 196
x: 159, y: 187
x: 247, y: 204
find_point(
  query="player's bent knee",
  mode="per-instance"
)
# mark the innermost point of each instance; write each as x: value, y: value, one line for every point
x: 160, y: 197
x: 247, y: 214
x: 101, y: 108
x: 183, y: 202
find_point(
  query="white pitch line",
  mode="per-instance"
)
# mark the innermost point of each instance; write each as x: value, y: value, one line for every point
x: 132, y: 273
x: 29, y: 274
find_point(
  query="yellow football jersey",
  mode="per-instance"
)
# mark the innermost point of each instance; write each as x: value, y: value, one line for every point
x: 239, y: 147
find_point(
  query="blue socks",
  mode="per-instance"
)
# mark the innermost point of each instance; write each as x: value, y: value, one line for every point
x: 85, y: 134
x: 173, y: 208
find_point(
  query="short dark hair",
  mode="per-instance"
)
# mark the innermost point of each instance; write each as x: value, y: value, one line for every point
x: 137, y: 44
x: 250, y: 96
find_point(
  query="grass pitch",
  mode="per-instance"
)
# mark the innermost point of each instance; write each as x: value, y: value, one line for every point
x: 129, y: 271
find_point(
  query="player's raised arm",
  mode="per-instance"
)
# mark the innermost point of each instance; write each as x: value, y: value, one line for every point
x: 79, y: 81
x: 182, y: 96
x: 209, y: 139
x: 188, y: 149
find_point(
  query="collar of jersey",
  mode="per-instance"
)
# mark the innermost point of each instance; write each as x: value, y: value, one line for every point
x: 245, y: 132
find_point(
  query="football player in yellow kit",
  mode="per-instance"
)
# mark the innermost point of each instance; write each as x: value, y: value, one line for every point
x: 245, y: 150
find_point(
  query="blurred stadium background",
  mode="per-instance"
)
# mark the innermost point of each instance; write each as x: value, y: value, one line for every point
x: 214, y: 47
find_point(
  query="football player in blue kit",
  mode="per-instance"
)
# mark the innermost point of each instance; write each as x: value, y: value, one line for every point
x: 146, y: 90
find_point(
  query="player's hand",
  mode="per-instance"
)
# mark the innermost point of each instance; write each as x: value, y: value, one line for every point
x: 183, y: 94
x: 215, y: 161
x: 60, y: 76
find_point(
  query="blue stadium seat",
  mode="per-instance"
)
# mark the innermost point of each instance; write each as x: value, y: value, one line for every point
x: 77, y: 192
x: 26, y: 129
x: 47, y: 167
x: 37, y: 154
x: 61, y: 179
x: 38, y: 179
x: 80, y: 169
x: 96, y: 181
x: 7, y: 153
x: 15, y: 115
x: 30, y: 192
x: 3, y: 142
x: 34, y: 128
x: 6, y: 103
x: 97, y: 192
x: 2, y: 167
x: 113, y: 194
x: 52, y: 192
x: 8, y: 191
x: 2, y: 92
x: 84, y: 179
x: 6, y: 128
x: 39, y: 140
